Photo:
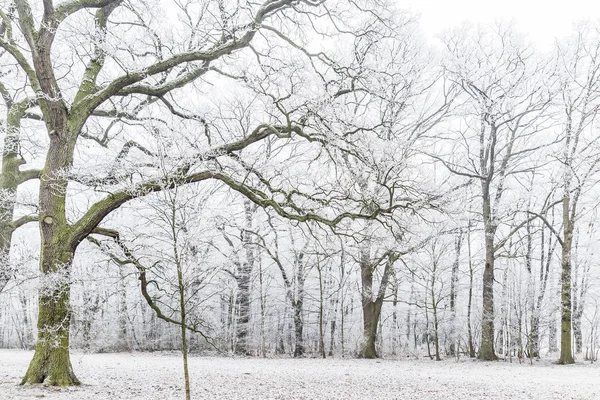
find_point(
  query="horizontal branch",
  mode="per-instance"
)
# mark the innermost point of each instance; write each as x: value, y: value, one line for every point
x: 19, y: 222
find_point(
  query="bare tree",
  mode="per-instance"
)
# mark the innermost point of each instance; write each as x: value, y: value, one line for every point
x: 505, y: 95
x: 127, y: 78
x: 579, y: 62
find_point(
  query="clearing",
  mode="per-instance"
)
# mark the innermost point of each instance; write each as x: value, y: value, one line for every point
x: 159, y: 376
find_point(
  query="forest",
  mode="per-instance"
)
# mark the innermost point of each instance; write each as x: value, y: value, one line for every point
x: 293, y: 178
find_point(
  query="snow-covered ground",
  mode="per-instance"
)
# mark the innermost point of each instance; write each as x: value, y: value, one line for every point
x: 160, y: 377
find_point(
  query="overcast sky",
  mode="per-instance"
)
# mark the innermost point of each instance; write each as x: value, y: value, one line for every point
x: 542, y: 21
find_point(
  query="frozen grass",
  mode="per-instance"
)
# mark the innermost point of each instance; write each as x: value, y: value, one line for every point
x: 159, y: 377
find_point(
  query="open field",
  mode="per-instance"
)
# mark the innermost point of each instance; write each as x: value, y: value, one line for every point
x: 159, y: 376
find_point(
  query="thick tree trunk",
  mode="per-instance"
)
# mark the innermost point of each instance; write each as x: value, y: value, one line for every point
x: 371, y: 313
x: 51, y: 362
x: 486, y: 350
x: 372, y: 307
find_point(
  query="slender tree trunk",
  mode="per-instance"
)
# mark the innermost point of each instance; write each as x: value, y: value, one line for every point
x: 577, y: 331
x: 552, y: 329
x: 505, y: 313
x: 453, y: 285
x: 545, y: 262
x: 263, y: 301
x: 298, y: 330
x: 243, y: 278
x: 123, y: 312
x: 243, y: 311
x: 182, y: 313
x: 396, y: 328
x: 337, y: 304
x: 566, y: 349
x: 470, y: 300
x: 436, y: 338
x: 299, y: 307
x: 321, y: 310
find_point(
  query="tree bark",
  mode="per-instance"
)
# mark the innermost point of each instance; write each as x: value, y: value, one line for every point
x: 51, y: 362
x: 486, y: 350
x: 371, y: 307
x: 566, y: 349
x: 298, y: 306
x: 453, y: 285
x: 243, y: 278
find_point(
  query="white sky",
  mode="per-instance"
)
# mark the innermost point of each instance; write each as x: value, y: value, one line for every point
x: 542, y: 21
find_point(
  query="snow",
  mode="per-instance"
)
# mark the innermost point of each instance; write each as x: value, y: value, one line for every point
x: 159, y: 376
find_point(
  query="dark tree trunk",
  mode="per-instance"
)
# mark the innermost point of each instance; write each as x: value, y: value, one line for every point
x: 371, y: 314
x: 51, y: 362
x: 486, y: 350
x: 372, y: 307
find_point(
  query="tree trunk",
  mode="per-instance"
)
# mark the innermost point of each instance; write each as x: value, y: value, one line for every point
x: 298, y: 330
x: 51, y: 362
x: 577, y: 333
x: 372, y: 307
x: 243, y: 277
x: 321, y: 311
x: 486, y: 350
x: 436, y: 338
x: 371, y: 313
x: 470, y: 299
x: 243, y: 311
x: 566, y: 349
x: 396, y: 328
x: 299, y: 306
x: 552, y: 328
x: 453, y: 285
